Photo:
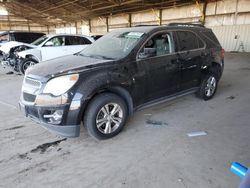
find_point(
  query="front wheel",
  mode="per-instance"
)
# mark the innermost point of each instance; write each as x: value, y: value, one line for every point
x: 208, y: 86
x: 105, y: 116
x: 26, y: 63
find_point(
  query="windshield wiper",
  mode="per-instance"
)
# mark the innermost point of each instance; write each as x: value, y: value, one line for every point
x: 95, y: 56
x: 103, y: 57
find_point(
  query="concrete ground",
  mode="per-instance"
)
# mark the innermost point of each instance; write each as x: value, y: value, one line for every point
x: 142, y: 155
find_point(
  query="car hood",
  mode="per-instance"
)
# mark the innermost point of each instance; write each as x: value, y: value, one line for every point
x: 65, y: 64
x: 8, y: 45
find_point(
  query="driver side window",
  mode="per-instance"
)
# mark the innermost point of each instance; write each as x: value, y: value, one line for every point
x: 158, y: 45
x: 56, y: 41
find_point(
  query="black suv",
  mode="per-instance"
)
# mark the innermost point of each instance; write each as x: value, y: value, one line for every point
x: 125, y: 70
x: 19, y: 36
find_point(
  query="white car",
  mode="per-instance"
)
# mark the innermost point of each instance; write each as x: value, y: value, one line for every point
x: 52, y: 46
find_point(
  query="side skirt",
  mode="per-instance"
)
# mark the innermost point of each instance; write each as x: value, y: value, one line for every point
x: 166, y: 99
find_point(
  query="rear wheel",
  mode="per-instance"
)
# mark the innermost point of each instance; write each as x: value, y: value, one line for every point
x: 105, y: 116
x: 26, y: 63
x: 208, y: 86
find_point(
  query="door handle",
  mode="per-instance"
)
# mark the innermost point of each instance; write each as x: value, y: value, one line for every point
x: 192, y: 66
x: 203, y: 54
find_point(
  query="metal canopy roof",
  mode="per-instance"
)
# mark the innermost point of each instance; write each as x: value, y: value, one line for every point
x: 52, y: 12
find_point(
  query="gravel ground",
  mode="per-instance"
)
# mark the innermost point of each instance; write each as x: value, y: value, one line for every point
x: 143, y: 154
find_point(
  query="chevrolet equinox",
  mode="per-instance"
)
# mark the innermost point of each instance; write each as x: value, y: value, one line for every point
x: 124, y: 71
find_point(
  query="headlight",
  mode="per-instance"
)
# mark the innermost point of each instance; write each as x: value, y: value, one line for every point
x: 60, y: 85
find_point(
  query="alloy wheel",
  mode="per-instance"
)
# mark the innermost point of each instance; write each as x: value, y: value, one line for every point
x: 109, y: 118
x: 211, y: 86
x: 27, y: 64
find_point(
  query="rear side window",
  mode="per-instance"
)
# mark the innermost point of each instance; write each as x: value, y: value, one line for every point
x: 75, y: 40
x: 187, y: 40
x: 200, y: 43
x: 86, y: 41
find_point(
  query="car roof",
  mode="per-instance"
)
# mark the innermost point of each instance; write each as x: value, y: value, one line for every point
x: 7, y: 32
x: 53, y: 35
x: 149, y: 28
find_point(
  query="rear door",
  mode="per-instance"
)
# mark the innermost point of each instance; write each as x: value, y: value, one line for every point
x: 190, y: 48
x: 162, y: 67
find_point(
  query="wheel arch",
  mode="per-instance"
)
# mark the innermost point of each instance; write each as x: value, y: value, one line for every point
x: 117, y: 90
x: 213, y: 65
x: 32, y: 57
x: 124, y: 94
x: 100, y: 83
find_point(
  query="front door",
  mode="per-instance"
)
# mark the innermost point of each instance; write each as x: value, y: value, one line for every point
x: 53, y: 48
x: 161, y: 64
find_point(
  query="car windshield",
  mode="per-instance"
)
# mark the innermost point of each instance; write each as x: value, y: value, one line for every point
x: 114, y: 45
x: 39, y: 40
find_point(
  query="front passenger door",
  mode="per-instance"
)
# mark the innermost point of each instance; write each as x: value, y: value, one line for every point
x: 53, y: 48
x: 162, y: 69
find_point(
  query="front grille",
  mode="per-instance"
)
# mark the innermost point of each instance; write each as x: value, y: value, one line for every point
x: 31, y: 87
x: 33, y: 83
x: 29, y: 97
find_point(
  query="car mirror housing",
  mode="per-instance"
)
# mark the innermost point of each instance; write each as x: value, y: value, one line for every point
x: 49, y: 43
x: 147, y: 52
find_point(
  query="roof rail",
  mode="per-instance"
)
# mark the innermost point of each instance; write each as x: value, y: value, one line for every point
x: 188, y: 24
x: 144, y: 25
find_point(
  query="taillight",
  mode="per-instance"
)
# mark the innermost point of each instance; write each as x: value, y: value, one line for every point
x: 222, y: 53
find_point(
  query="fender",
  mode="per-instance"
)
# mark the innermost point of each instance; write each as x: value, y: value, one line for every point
x: 215, y: 60
x: 36, y: 53
x: 98, y: 83
x: 86, y: 90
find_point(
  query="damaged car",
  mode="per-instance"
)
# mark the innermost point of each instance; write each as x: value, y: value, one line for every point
x: 9, y: 50
x: 124, y: 71
x: 20, y: 56
x: 18, y: 36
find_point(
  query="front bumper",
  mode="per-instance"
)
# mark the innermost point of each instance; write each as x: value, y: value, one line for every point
x: 35, y: 113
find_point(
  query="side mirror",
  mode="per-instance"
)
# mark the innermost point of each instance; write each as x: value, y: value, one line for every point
x: 49, y: 43
x: 147, y: 52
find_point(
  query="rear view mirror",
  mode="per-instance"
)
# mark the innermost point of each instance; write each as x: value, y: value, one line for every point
x: 147, y: 52
x: 49, y: 43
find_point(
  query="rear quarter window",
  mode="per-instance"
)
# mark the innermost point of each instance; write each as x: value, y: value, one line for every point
x: 210, y: 39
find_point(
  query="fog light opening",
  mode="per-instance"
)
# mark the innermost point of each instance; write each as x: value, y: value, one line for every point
x: 54, y: 118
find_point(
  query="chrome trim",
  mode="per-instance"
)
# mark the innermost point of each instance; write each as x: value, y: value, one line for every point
x: 32, y: 82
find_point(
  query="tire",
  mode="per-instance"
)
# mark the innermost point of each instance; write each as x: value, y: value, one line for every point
x: 208, y: 85
x: 26, y: 63
x: 109, y: 125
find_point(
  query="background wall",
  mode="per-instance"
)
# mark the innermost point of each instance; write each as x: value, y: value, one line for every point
x: 229, y: 19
